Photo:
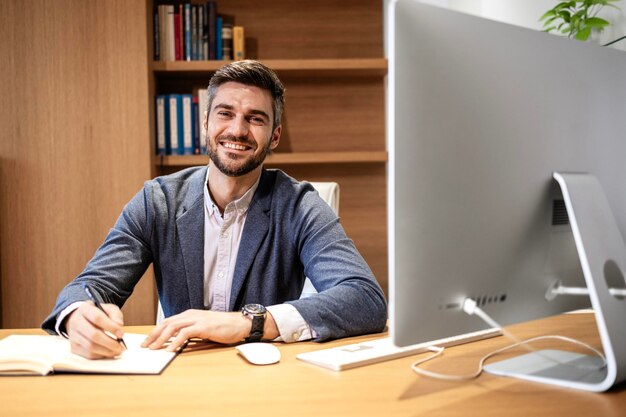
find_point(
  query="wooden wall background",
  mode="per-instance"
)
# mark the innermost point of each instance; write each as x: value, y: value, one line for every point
x: 74, y: 147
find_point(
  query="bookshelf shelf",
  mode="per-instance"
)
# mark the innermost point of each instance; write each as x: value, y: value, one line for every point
x: 278, y: 158
x: 353, y: 67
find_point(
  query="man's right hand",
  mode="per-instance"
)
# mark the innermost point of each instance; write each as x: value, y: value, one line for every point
x: 86, y: 327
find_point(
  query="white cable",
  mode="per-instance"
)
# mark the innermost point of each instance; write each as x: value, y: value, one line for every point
x: 470, y: 307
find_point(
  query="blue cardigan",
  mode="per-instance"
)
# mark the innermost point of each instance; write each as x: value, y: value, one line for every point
x: 289, y: 233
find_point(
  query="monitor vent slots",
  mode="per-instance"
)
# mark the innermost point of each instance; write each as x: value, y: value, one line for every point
x: 559, y: 213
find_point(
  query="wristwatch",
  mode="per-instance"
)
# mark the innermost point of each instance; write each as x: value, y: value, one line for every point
x: 257, y: 313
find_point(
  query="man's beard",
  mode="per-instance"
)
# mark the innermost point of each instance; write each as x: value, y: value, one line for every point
x: 236, y: 169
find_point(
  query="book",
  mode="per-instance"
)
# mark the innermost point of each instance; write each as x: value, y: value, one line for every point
x: 239, y: 43
x: 46, y: 354
x: 200, y: 31
x: 203, y: 103
x: 218, y: 37
x: 177, y: 37
x: 209, y: 41
x: 187, y: 113
x: 176, y: 139
x: 162, y: 124
x: 162, y: 16
x: 187, y: 24
x: 227, y: 39
x: 195, y: 125
x: 157, y: 47
x: 194, y: 32
x: 181, y: 33
x: 170, y: 39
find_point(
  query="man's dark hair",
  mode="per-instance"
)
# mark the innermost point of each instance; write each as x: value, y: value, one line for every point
x: 253, y: 73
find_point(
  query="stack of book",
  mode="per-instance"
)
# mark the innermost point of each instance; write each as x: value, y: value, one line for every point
x: 179, y: 119
x: 196, y: 32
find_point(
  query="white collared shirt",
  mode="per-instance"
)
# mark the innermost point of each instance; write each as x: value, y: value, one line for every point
x: 222, y: 235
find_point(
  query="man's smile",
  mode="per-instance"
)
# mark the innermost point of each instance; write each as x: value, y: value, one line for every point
x: 234, y: 146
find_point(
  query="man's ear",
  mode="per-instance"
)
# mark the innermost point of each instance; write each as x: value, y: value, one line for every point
x: 205, y: 122
x: 276, y: 137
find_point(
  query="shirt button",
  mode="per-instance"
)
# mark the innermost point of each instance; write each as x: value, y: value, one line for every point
x: 295, y: 336
x: 221, y: 275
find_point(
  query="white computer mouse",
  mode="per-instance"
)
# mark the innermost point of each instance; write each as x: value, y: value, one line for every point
x: 259, y: 353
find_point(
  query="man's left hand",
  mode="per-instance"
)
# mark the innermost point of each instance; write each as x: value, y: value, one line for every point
x: 216, y: 326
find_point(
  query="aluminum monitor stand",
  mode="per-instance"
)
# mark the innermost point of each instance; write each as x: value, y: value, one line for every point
x: 602, y: 256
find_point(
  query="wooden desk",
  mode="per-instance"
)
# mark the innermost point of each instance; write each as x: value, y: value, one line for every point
x: 215, y: 381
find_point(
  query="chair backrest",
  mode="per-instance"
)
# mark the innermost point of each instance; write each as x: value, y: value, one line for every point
x: 329, y: 192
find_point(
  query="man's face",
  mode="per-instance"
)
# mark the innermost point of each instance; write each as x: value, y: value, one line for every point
x: 239, y: 128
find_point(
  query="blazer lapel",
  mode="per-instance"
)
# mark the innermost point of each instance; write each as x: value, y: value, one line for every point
x: 254, y: 232
x: 190, y: 226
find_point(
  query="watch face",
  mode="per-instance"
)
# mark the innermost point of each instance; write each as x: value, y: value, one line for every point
x: 254, y: 309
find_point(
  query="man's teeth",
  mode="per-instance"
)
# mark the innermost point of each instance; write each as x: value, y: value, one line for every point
x: 234, y: 146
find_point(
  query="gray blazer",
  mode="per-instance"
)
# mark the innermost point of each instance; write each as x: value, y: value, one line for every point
x: 289, y: 233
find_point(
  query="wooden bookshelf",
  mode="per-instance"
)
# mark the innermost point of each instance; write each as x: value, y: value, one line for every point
x: 302, y: 158
x: 329, y: 55
x: 355, y: 67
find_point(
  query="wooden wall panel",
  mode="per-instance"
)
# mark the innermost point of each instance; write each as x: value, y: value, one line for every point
x: 305, y: 29
x: 74, y: 146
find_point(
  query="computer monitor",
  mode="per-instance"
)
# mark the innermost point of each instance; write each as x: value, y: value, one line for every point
x: 481, y: 114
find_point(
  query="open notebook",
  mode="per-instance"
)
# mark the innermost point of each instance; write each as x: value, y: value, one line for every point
x: 43, y: 355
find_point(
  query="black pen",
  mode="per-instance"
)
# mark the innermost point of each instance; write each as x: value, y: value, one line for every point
x: 97, y: 303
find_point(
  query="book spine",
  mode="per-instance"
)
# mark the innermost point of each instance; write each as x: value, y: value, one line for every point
x: 162, y: 10
x: 239, y: 48
x: 210, y: 40
x: 218, y: 38
x: 156, y: 35
x: 161, y: 125
x: 200, y: 30
x: 175, y: 119
x: 170, y: 34
x: 177, y: 40
x: 187, y: 110
x: 203, y: 102
x: 195, y: 125
x: 227, y: 41
x: 194, y: 32
x: 187, y: 42
x: 181, y: 31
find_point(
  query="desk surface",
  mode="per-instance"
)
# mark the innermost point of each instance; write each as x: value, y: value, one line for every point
x: 216, y: 381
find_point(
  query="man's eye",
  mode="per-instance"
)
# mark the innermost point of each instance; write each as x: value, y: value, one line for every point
x: 257, y: 120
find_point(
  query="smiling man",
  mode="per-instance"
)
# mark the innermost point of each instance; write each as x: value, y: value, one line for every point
x: 231, y: 244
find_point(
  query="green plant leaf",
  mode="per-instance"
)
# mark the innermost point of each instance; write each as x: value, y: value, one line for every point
x: 565, y: 15
x: 549, y: 13
x: 583, y: 34
x: 576, y: 18
x: 596, y: 22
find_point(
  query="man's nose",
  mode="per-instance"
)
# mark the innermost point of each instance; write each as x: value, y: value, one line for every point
x: 238, y: 127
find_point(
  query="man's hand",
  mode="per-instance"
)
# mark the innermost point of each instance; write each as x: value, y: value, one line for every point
x: 216, y: 326
x: 86, y: 327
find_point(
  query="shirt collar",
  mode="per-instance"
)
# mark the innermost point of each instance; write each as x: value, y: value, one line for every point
x: 241, y: 204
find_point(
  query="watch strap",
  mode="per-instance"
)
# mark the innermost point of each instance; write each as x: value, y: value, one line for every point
x: 256, y: 331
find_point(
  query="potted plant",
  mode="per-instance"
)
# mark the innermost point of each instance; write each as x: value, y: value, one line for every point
x: 577, y: 19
